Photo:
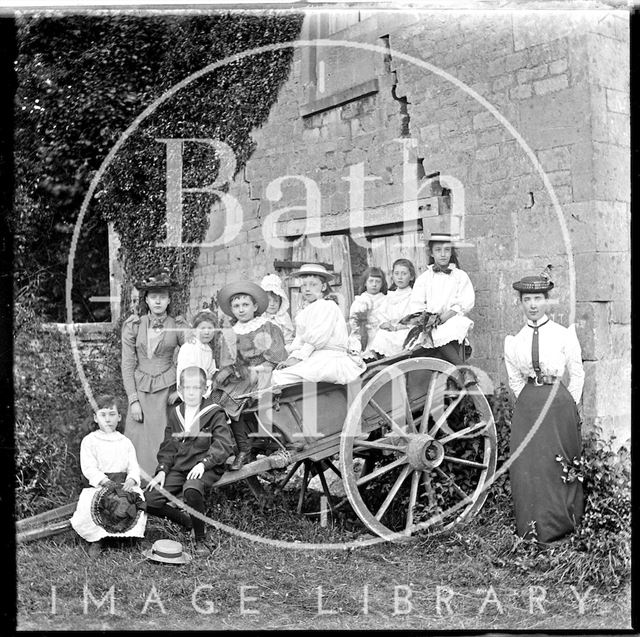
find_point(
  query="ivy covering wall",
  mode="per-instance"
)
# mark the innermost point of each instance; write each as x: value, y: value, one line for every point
x: 82, y: 80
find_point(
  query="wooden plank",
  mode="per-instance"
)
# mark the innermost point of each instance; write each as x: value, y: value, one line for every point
x: 43, y: 531
x: 65, y: 511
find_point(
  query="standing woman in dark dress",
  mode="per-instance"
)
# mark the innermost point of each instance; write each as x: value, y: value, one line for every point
x: 148, y: 370
x: 546, y: 507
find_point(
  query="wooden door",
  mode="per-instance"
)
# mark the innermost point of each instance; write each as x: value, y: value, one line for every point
x: 385, y: 250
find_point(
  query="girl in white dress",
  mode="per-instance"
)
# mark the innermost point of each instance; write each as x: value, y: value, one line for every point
x: 391, y: 334
x: 197, y: 351
x: 318, y: 352
x: 108, y: 462
x: 445, y: 291
x: 363, y: 314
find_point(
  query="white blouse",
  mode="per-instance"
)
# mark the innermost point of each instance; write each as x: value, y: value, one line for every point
x: 195, y: 353
x: 102, y: 453
x: 437, y: 292
x: 559, y: 350
x: 395, y: 305
x: 320, y: 325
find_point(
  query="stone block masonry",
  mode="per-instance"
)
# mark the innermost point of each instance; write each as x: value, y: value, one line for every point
x: 560, y: 79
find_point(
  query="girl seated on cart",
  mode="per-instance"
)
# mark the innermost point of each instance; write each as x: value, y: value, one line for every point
x: 445, y: 292
x: 391, y: 334
x: 259, y: 348
x: 318, y: 352
x: 364, y: 313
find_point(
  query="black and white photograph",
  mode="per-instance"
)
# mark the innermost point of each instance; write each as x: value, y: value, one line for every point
x: 321, y: 315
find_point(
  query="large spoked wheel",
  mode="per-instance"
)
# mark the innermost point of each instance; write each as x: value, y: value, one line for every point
x: 428, y: 449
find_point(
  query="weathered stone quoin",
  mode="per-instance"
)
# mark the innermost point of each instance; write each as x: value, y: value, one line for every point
x: 347, y: 114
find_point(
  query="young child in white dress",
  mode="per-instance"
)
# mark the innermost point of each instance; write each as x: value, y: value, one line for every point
x: 113, y: 504
x: 446, y: 292
x: 318, y: 352
x: 363, y: 314
x: 278, y: 309
x: 197, y: 351
x: 391, y: 334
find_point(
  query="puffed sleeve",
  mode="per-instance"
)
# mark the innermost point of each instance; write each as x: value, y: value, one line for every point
x: 320, y: 320
x: 89, y: 462
x: 129, y: 360
x: 516, y: 381
x: 418, y: 301
x: 573, y: 354
x: 133, y: 468
x: 465, y: 297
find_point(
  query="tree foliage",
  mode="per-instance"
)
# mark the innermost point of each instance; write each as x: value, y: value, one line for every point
x: 82, y: 81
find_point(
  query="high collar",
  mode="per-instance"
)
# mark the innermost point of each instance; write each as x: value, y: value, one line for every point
x: 543, y: 321
x: 250, y: 326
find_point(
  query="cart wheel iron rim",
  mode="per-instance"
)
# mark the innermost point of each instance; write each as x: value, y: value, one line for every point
x: 422, y: 451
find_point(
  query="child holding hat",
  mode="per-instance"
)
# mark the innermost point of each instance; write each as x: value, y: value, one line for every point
x: 446, y: 293
x: 547, y: 504
x: 318, y: 352
x: 259, y: 348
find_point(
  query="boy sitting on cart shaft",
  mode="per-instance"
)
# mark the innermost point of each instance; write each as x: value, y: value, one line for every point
x: 192, y: 457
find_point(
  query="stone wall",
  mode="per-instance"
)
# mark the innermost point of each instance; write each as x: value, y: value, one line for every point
x: 561, y: 81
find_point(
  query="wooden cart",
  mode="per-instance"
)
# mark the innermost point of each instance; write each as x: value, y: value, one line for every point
x: 416, y: 450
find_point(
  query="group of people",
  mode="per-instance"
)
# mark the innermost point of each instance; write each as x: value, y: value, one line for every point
x: 178, y: 438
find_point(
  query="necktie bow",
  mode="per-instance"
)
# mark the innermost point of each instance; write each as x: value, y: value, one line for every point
x: 157, y: 324
x: 437, y: 268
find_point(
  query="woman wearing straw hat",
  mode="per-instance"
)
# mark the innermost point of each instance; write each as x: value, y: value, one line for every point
x: 148, y: 373
x: 318, y: 352
x: 545, y: 428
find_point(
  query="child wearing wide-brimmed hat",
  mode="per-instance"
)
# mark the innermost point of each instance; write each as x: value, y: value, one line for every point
x: 446, y: 293
x: 149, y: 343
x: 259, y: 348
x: 319, y: 351
x: 113, y: 504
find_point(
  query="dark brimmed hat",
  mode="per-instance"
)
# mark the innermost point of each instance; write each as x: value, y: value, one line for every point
x: 314, y: 269
x: 116, y: 510
x: 249, y: 288
x: 533, y: 284
x: 168, y: 552
x: 160, y: 280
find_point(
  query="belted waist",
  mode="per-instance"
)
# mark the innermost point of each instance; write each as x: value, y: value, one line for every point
x: 543, y: 379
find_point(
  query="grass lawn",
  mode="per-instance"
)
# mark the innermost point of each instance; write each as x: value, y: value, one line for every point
x: 475, y: 577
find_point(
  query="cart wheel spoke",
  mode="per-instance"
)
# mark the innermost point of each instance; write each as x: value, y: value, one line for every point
x: 428, y: 403
x: 381, y: 470
x: 401, y: 382
x: 448, y: 411
x: 466, y: 463
x: 392, y: 423
x: 474, y: 429
x: 392, y: 493
x: 452, y: 482
x: 413, y: 497
x: 376, y: 444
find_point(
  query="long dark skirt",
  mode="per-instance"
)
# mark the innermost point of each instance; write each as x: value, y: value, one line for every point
x: 539, y: 494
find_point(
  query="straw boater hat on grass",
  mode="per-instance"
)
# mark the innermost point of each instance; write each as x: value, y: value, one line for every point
x: 167, y: 552
x: 249, y: 288
x: 314, y: 269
